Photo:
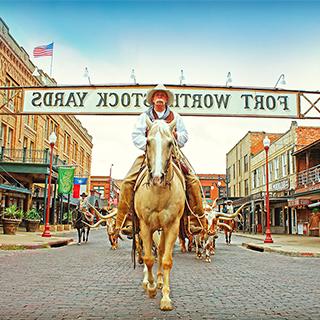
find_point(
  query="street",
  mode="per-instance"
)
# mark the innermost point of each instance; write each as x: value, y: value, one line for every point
x: 91, y: 281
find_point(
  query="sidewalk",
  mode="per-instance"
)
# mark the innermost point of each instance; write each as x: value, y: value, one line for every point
x: 33, y: 240
x: 290, y: 245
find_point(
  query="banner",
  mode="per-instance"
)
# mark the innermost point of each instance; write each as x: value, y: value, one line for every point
x: 65, y: 180
x: 188, y: 100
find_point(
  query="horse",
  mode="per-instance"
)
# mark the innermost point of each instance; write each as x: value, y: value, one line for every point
x: 82, y: 222
x: 159, y: 205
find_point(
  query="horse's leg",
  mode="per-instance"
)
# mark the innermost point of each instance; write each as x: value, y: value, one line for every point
x: 230, y: 233
x: 88, y: 230
x: 79, y: 235
x: 226, y: 235
x: 171, y: 235
x: 139, y: 248
x: 182, y: 244
x: 146, y: 237
x: 160, y: 257
x: 190, y: 239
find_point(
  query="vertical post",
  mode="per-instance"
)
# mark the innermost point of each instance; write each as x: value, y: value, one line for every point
x: 268, y: 238
x: 61, y: 208
x: 46, y: 232
x: 68, y: 208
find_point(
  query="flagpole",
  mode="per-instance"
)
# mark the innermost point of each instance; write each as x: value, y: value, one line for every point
x: 51, y: 61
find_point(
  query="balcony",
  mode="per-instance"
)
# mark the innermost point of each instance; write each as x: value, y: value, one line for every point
x: 308, y: 177
x: 29, y: 156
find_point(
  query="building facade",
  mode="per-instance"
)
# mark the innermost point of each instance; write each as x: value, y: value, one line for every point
x: 24, y: 139
x: 282, y: 181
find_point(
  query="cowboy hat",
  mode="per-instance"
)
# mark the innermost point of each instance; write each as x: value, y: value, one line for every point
x: 160, y: 87
x: 228, y: 201
x: 83, y: 194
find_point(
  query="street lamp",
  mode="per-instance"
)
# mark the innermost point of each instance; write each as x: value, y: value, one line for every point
x: 266, y: 144
x: 52, y: 141
x: 281, y: 81
x: 229, y: 79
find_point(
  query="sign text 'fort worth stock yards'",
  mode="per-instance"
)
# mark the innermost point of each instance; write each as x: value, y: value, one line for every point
x: 188, y: 101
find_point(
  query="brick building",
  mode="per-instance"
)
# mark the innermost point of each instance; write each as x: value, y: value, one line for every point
x: 282, y: 179
x: 24, y: 156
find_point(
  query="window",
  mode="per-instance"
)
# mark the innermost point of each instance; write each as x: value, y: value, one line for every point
x: 234, y: 171
x: 256, y: 178
x: 11, y: 97
x: 75, y: 151
x: 81, y: 156
x: 264, y: 174
x: 277, y: 217
x: 66, y: 144
x: 3, y: 133
x: 270, y: 166
x: 239, y: 167
x: 206, y: 191
x: 99, y: 189
x: 246, y: 163
x: 276, y: 168
x: 246, y: 187
x: 284, y: 165
x: 239, y: 186
x: 10, y: 138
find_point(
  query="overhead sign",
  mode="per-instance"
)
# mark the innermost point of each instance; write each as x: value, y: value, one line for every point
x: 188, y: 101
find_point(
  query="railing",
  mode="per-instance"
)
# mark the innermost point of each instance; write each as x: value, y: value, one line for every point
x: 309, y: 176
x: 29, y: 156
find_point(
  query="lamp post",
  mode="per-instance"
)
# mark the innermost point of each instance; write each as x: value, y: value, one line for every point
x: 110, y: 184
x: 266, y: 144
x: 52, y: 141
x: 281, y: 81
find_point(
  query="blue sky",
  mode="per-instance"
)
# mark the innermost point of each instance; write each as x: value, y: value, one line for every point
x: 255, y: 40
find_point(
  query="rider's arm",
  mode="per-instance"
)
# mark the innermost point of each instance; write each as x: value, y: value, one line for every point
x: 139, y: 132
x: 182, y: 133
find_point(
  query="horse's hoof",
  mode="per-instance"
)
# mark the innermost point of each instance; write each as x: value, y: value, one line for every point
x: 165, y: 305
x: 183, y: 250
x: 208, y: 260
x: 152, y: 292
x: 79, y: 243
x: 145, y: 285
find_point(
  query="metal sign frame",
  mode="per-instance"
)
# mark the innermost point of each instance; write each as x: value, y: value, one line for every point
x: 306, y: 103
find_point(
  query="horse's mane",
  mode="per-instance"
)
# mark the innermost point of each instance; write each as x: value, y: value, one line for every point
x: 162, y: 127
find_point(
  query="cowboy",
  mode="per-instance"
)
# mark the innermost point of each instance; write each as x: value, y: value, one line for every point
x: 160, y: 98
x: 84, y: 206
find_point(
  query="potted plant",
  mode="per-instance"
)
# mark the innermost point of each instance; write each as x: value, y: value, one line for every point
x: 32, y: 219
x: 11, y: 218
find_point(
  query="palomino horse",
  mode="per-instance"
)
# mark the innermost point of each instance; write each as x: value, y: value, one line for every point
x: 159, y: 204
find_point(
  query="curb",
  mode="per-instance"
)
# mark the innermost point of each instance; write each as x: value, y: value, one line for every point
x: 261, y: 248
x: 52, y: 244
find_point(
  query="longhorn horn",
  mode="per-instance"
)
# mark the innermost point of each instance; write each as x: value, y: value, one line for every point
x: 224, y: 225
x: 111, y: 214
x: 225, y: 218
x: 92, y: 225
x: 233, y: 215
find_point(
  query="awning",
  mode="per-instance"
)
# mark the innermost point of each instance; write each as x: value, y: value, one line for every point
x: 313, y: 205
x: 10, y: 187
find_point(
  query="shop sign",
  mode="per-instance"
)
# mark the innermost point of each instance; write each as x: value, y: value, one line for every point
x: 281, y: 185
x: 298, y: 202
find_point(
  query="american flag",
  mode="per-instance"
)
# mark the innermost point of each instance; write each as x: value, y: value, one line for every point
x: 42, y: 51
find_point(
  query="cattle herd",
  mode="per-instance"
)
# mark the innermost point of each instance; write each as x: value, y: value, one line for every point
x: 201, y: 240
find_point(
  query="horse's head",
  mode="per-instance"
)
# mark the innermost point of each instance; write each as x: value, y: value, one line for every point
x: 160, y: 143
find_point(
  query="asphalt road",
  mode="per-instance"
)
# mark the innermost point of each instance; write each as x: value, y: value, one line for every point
x: 93, y: 282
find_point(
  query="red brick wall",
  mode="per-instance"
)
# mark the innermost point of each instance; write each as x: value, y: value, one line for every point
x: 306, y: 135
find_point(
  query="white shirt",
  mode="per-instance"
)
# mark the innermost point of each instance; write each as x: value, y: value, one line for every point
x: 139, y: 131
